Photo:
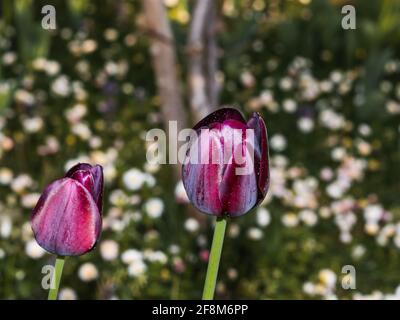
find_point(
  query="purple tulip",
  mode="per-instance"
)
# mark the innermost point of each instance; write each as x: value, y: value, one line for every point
x: 67, y: 218
x: 212, y: 183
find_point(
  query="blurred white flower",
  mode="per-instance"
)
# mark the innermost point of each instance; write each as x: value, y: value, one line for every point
x: 24, y: 97
x: 111, y: 68
x: 373, y: 213
x: 61, y: 86
x: 305, y: 124
x: 26, y: 231
x: 33, y: 250
x: 154, y: 207
x: 331, y: 120
x: 155, y: 256
x: 286, y: 83
x: 290, y: 220
x: 151, y: 167
x: 118, y: 198
x: 133, y: 179
x: 326, y: 174
x: 338, y: 153
x: 131, y: 255
x: 29, y: 200
x: 326, y: 86
x: 234, y: 230
x: 371, y: 228
x: 364, y: 129
x: 5, y: 226
x: 67, y: 294
x: 278, y: 142
x: 309, y: 288
x: 263, y: 217
x: 393, y: 107
x: 327, y: 278
x: 336, y: 76
x: 174, y: 249
x: 247, y: 79
x: 289, y: 105
x: 110, y: 172
x: 309, y: 217
x: 137, y: 268
x: 9, y: 58
x: 76, y: 113
x: 345, y: 237
x: 50, y: 146
x: 345, y: 221
x: 149, y: 180
x: 88, y: 272
x: 335, y: 190
x: 191, y: 225
x: 325, y: 212
x: 255, y: 233
x: 110, y: 34
x: 180, y: 193
x: 232, y: 273
x: 358, y: 251
x: 89, y: 45
x: 109, y: 250
x: 2, y: 253
x: 21, y: 182
x: 396, y: 241
x: 52, y: 68
x: 171, y: 3
x: 32, y: 125
x: 82, y: 130
x: 6, y: 175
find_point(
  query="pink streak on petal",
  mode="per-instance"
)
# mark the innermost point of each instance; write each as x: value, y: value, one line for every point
x: 238, y: 192
x: 98, y: 180
x: 201, y: 180
x: 85, y: 178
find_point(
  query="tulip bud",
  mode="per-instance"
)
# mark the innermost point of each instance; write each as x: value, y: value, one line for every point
x: 67, y: 218
x: 226, y: 170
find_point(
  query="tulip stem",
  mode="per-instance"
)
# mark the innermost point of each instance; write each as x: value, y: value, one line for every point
x: 56, y: 278
x: 215, y: 256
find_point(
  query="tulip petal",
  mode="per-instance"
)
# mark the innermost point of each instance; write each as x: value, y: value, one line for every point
x: 220, y: 116
x: 97, y: 172
x: 66, y: 220
x: 261, y: 158
x: 238, y: 188
x: 237, y: 181
x: 97, y: 176
x: 85, y: 178
x: 201, y: 179
x: 77, y: 167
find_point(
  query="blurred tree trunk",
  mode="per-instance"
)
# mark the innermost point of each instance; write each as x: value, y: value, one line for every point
x: 162, y: 49
x: 202, y: 65
x: 202, y: 59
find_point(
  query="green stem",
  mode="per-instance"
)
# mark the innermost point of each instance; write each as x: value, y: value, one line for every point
x: 215, y: 256
x: 55, y: 281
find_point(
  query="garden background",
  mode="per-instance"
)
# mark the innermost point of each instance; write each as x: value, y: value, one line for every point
x: 111, y: 70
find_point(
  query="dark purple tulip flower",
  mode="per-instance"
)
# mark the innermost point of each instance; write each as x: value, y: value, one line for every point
x: 67, y: 218
x: 212, y: 181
